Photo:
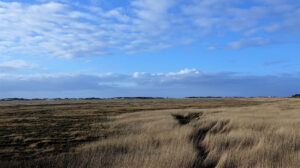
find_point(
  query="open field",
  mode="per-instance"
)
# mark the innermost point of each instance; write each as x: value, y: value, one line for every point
x: 208, y: 133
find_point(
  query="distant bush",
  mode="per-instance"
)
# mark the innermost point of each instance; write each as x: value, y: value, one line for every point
x: 296, y: 96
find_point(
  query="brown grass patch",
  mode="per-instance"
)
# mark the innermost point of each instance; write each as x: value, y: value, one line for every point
x: 221, y: 133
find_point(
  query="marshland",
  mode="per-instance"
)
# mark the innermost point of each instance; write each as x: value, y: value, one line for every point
x: 151, y: 133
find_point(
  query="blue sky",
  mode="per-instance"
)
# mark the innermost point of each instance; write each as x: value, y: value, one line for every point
x: 168, y: 48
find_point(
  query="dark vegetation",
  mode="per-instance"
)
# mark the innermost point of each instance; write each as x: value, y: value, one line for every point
x: 296, y: 96
x: 28, y: 132
x: 185, y: 119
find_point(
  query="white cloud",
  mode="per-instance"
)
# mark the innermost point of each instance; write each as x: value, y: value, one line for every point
x: 138, y: 74
x: 245, y: 43
x: 14, y: 65
x: 185, y: 71
x: 64, y: 29
x: 152, y: 15
x: 58, y: 29
x: 242, y: 15
x: 187, y: 82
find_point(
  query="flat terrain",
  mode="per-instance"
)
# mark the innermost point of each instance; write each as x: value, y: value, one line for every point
x: 198, y: 132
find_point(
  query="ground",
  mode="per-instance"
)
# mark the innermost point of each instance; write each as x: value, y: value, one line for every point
x: 194, y: 132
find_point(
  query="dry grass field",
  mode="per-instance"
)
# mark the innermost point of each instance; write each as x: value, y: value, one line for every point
x: 151, y: 133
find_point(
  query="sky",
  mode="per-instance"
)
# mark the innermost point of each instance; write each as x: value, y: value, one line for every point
x: 158, y: 48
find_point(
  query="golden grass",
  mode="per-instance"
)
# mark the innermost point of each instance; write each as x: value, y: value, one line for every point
x: 267, y: 135
x: 221, y: 133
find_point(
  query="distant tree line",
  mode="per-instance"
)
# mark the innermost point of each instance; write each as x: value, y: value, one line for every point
x: 88, y: 98
x: 296, y: 96
x: 96, y: 98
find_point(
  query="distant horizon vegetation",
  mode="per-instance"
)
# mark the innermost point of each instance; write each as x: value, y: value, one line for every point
x: 139, y: 97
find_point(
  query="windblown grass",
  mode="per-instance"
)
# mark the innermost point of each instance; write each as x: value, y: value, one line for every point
x: 207, y: 133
